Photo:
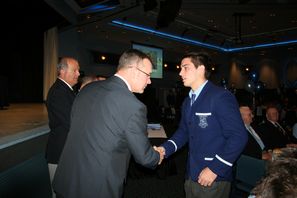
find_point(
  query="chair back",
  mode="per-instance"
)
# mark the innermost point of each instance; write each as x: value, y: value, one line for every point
x: 249, y: 171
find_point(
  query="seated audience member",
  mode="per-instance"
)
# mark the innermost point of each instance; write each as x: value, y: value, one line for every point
x: 280, y: 181
x: 271, y: 132
x: 255, y: 145
x: 86, y: 80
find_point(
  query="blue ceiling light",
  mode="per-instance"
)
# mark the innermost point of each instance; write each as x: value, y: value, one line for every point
x: 194, y: 42
x: 165, y: 35
x: 96, y: 8
x: 263, y: 45
x: 108, y: 5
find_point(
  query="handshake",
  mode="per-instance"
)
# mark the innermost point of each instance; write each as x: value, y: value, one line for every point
x: 161, y: 151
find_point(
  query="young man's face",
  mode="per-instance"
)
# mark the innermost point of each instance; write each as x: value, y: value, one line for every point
x: 189, y: 73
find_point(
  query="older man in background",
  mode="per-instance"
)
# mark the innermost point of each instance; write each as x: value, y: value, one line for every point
x: 59, y: 102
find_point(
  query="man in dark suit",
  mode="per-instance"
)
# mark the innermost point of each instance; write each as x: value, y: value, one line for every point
x: 108, y: 124
x: 255, y: 145
x: 212, y: 126
x: 59, y: 102
x: 271, y: 132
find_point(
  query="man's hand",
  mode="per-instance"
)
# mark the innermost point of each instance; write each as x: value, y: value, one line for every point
x: 161, y: 151
x: 206, y: 177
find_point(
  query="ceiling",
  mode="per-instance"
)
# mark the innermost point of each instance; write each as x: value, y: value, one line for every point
x: 184, y: 25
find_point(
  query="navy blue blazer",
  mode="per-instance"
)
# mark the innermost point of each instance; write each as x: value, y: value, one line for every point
x: 214, y: 130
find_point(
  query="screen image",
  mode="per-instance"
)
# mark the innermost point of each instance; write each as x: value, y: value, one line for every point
x: 156, y: 55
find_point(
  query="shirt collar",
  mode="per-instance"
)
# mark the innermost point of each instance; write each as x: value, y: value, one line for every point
x: 66, y: 83
x: 197, y: 91
x: 126, y: 82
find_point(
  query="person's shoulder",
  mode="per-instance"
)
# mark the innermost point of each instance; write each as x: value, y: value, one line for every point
x: 218, y: 92
x: 59, y: 84
x: 215, y: 88
x: 59, y: 88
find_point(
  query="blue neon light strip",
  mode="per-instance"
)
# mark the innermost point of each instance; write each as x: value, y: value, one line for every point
x: 194, y: 42
x: 262, y: 45
x: 165, y: 35
x: 97, y: 8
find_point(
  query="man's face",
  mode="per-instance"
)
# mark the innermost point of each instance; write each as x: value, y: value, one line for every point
x: 142, y: 76
x: 71, y: 73
x: 246, y: 115
x: 272, y: 114
x: 189, y: 73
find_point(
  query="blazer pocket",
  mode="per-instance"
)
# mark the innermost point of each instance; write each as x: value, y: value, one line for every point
x: 203, y: 123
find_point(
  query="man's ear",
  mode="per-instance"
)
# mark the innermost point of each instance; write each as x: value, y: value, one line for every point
x: 62, y: 72
x: 201, y: 67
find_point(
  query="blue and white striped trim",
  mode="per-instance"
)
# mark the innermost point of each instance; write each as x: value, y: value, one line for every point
x: 224, y: 161
x: 175, y: 146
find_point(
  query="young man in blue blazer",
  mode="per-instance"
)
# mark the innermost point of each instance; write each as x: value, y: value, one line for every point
x: 212, y: 126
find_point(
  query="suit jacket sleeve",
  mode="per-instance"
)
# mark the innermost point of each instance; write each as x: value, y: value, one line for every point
x: 138, y: 143
x: 227, y: 113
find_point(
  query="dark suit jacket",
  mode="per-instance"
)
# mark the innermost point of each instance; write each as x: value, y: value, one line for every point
x: 108, y: 124
x: 252, y: 148
x: 271, y: 136
x: 59, y: 102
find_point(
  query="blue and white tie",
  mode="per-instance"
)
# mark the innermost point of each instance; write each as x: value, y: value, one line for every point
x: 193, y: 99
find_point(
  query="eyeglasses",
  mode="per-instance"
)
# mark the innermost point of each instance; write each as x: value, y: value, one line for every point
x: 148, y: 75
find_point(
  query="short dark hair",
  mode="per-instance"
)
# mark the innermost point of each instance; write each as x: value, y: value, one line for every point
x: 200, y: 58
x: 132, y: 56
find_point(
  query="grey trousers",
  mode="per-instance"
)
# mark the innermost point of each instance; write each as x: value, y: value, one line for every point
x: 216, y: 190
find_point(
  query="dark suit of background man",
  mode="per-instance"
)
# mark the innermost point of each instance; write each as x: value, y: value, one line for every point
x: 59, y: 102
x: 271, y: 132
x: 212, y: 126
x: 108, y: 124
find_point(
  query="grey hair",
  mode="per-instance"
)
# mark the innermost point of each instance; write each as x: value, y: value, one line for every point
x: 63, y: 63
x: 130, y: 57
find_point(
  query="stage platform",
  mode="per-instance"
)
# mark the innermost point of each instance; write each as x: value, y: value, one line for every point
x: 21, y: 122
